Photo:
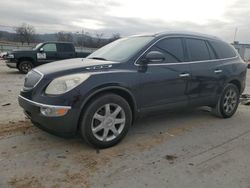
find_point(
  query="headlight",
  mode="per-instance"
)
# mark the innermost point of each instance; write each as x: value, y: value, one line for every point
x: 10, y: 56
x: 65, y: 83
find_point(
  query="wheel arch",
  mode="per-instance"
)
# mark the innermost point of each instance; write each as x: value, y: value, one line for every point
x: 24, y: 59
x: 119, y: 90
x: 237, y: 83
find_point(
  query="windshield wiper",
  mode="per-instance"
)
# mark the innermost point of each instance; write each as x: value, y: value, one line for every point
x: 98, y: 58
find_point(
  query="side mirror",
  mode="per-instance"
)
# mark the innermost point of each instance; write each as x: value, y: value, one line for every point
x: 41, y: 50
x: 154, y: 57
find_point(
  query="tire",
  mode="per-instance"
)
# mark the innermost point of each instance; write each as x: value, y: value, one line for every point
x: 228, y: 102
x: 106, y: 120
x: 25, y: 66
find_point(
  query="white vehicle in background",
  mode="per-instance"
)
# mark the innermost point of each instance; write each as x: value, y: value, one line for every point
x: 3, y: 55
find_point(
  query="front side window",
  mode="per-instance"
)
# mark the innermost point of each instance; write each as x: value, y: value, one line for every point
x: 171, y: 48
x: 197, y: 50
x: 49, y: 48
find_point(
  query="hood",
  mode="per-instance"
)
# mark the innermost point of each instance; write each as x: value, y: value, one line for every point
x: 77, y: 64
x: 21, y: 51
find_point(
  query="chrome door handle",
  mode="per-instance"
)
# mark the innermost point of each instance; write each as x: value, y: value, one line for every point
x: 183, y: 75
x: 218, y: 71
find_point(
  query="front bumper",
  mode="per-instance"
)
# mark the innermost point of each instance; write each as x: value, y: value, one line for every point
x: 65, y: 125
x: 11, y: 63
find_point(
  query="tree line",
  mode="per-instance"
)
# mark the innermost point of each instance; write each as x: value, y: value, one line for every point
x: 26, y: 33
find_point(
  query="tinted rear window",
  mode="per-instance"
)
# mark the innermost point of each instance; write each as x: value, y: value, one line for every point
x: 222, y: 49
x: 197, y: 49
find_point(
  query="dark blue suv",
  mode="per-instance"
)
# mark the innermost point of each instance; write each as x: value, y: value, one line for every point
x: 101, y: 95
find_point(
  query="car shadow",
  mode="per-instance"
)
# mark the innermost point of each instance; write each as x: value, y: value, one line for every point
x: 145, y: 125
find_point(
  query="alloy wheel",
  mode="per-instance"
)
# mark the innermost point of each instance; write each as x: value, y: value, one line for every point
x: 26, y: 67
x: 108, y: 122
x: 230, y: 101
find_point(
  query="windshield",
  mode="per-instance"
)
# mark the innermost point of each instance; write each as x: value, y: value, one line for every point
x: 38, y: 46
x: 121, y: 49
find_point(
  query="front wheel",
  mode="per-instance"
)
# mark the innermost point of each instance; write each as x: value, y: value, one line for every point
x: 25, y: 66
x: 106, y: 120
x: 228, y: 102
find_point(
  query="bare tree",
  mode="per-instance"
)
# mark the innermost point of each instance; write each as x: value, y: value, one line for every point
x: 114, y: 37
x: 99, y: 39
x: 64, y: 36
x: 25, y: 33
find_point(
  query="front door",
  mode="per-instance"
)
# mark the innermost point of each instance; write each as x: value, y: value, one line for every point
x: 48, y: 54
x: 164, y: 85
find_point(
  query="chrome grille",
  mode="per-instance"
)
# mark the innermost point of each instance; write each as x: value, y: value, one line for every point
x: 32, y: 79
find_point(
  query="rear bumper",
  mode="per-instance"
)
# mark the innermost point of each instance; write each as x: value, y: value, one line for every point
x: 65, y: 125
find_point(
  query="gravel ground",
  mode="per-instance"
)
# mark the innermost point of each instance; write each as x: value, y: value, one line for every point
x: 187, y: 149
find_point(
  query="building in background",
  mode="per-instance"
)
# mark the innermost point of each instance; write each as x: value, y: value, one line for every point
x: 243, y: 50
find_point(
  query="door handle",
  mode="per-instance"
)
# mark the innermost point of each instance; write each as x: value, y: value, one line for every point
x: 183, y: 75
x: 217, y: 71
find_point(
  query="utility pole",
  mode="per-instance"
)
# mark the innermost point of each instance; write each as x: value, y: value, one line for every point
x: 235, y: 34
x: 81, y: 33
x: 82, y: 39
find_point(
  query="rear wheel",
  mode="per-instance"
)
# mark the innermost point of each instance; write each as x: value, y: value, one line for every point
x: 228, y: 102
x: 106, y: 121
x: 25, y: 66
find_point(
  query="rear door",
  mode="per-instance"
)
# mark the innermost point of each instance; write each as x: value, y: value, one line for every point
x: 163, y: 85
x: 205, y: 76
x: 65, y: 50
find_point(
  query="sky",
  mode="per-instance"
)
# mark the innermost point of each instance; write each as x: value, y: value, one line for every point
x: 129, y: 17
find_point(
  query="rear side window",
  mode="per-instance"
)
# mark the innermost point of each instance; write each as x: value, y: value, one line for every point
x: 197, y: 50
x: 65, y: 48
x: 223, y: 49
x: 172, y: 48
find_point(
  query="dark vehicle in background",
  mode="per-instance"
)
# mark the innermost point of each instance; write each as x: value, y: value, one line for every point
x: 25, y: 60
x: 101, y: 96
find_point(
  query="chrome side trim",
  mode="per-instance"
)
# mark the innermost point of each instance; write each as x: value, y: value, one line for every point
x: 192, y: 62
x: 43, y: 105
x: 179, y: 63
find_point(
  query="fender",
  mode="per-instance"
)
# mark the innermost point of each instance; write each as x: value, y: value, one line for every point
x: 103, y: 88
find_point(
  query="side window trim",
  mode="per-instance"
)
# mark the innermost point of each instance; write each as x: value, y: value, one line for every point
x: 211, y: 47
x: 185, y: 51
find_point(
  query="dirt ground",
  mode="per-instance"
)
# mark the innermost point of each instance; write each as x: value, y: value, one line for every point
x: 187, y: 149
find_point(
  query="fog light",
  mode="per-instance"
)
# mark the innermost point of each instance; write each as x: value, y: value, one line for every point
x: 53, y: 112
